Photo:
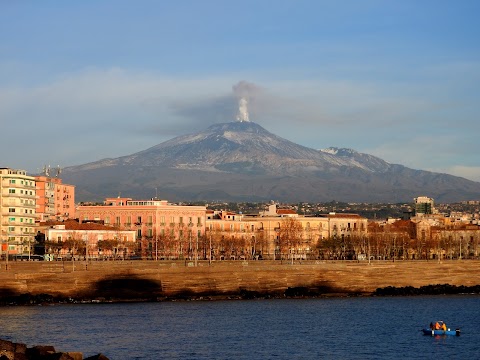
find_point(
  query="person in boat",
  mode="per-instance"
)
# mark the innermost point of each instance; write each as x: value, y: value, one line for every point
x: 444, y: 326
x: 432, y: 327
x: 437, y: 326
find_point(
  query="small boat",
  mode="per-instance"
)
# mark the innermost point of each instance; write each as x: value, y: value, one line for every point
x: 438, y: 332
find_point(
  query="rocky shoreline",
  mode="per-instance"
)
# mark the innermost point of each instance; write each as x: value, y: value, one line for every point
x: 18, y: 351
x: 242, y: 294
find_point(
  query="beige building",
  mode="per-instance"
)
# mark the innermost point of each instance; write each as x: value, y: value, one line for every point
x: 70, y: 239
x: 17, y: 209
x: 167, y: 231
x: 278, y: 233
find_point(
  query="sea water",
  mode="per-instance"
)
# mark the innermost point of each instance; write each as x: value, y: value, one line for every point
x: 331, y: 328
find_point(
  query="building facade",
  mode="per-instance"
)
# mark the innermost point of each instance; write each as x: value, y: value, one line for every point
x: 55, y: 200
x: 88, y: 241
x: 17, y: 210
x: 424, y: 205
x: 160, y: 227
x: 282, y: 234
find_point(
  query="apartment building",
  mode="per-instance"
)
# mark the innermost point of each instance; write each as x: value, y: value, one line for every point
x: 55, y: 200
x: 277, y: 233
x: 70, y: 239
x: 169, y: 231
x: 17, y: 211
x: 159, y: 226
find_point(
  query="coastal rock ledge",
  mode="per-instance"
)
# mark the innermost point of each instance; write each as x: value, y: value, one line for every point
x: 18, y: 351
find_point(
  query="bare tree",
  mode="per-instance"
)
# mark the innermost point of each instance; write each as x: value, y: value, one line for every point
x: 290, y: 236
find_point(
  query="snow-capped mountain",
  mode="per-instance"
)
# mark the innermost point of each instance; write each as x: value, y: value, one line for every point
x: 242, y: 147
x: 243, y: 161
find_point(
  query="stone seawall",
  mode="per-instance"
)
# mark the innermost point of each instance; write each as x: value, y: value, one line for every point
x: 154, y: 280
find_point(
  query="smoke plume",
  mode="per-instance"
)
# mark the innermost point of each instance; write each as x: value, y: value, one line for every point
x: 245, y: 93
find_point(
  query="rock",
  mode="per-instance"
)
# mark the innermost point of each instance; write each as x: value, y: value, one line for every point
x: 39, y: 351
x: 18, y: 351
x: 97, y: 357
x: 75, y: 355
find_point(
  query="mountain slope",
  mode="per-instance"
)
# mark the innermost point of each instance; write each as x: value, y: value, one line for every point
x: 241, y: 161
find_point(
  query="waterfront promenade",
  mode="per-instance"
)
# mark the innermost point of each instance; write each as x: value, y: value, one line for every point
x: 150, y: 280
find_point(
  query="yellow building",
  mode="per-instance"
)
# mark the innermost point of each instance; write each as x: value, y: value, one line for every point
x: 17, y: 210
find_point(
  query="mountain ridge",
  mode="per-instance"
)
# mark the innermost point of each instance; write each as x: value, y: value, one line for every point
x: 242, y: 160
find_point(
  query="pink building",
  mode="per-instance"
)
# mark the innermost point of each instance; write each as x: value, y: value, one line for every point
x: 55, y: 200
x: 175, y: 228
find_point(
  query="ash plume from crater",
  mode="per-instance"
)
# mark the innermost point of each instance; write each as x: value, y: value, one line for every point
x: 245, y: 93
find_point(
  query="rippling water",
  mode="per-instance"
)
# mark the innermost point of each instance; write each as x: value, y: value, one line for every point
x: 337, y: 328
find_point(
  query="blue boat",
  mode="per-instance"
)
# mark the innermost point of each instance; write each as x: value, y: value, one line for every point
x: 432, y: 331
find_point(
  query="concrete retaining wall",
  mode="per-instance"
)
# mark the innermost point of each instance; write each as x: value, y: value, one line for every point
x: 150, y: 279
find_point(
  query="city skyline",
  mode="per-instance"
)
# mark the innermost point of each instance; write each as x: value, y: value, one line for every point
x: 84, y: 81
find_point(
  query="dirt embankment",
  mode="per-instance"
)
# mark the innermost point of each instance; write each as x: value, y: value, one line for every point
x: 163, y: 280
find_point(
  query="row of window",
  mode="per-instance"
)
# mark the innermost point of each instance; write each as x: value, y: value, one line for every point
x: 27, y: 230
x: 22, y: 192
x: 171, y: 233
x: 140, y: 220
x: 14, y: 219
x: 22, y: 182
x: 243, y: 227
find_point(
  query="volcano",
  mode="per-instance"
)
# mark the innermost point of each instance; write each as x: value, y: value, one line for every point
x: 242, y: 161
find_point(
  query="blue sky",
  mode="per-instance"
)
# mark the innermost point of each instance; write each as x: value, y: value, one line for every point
x: 86, y: 80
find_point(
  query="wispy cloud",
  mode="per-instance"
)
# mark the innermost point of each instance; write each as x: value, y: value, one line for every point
x: 96, y: 113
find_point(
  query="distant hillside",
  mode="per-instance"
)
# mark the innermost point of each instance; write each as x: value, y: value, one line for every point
x: 241, y: 161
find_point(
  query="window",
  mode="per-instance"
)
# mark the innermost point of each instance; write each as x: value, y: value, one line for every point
x: 11, y: 191
x: 117, y: 220
x: 199, y: 221
x: 139, y: 233
x: 139, y: 219
x: 180, y: 219
x: 11, y: 228
x: 12, y: 181
x: 107, y: 220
